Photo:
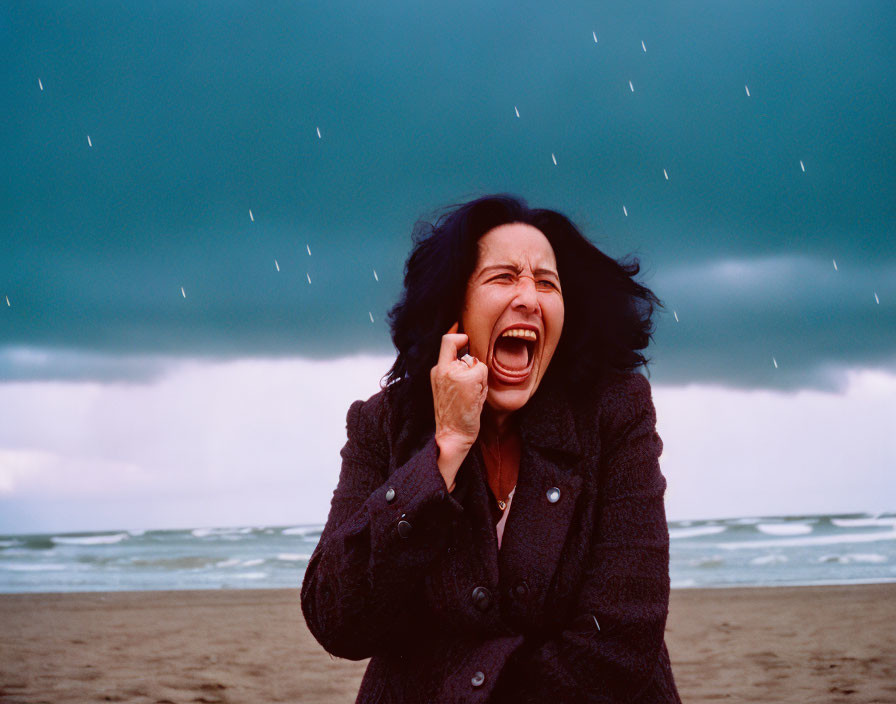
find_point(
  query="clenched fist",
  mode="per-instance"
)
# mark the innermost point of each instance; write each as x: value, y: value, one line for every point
x: 459, y: 389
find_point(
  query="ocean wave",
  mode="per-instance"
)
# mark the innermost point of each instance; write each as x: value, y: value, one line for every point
x: 90, y: 539
x: 769, y: 560
x: 304, y: 531
x: 250, y: 575
x: 227, y: 563
x: 9, y: 543
x: 784, y: 528
x: 190, y: 562
x: 293, y: 556
x: 26, y: 552
x: 253, y: 562
x: 808, y: 541
x: 231, y: 533
x: 35, y: 567
x: 709, y: 561
x: 851, y: 558
x: 38, y: 542
x: 695, y: 532
x: 887, y: 522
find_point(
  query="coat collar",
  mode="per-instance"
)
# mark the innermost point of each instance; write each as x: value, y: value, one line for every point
x: 547, y: 422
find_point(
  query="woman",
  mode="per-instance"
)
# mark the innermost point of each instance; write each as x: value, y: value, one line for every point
x: 498, y: 532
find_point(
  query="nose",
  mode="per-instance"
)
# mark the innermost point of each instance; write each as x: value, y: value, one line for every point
x: 526, y: 297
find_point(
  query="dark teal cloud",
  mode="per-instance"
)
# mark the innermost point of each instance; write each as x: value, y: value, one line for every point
x: 198, y: 113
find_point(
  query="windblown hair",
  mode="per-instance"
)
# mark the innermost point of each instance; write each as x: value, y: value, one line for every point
x: 607, y: 319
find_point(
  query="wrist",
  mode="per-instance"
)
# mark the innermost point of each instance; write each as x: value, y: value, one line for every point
x: 451, y: 447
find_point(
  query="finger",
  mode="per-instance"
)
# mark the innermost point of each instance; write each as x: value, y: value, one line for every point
x: 451, y: 343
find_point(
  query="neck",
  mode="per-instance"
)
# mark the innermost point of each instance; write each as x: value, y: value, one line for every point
x: 496, y: 424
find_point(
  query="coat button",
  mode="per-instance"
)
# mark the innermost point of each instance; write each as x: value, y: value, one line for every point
x: 482, y: 598
x: 520, y: 589
x: 477, y: 679
x: 404, y: 528
x: 390, y: 495
x: 553, y: 494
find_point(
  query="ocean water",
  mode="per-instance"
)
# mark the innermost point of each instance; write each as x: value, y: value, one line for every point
x: 753, y: 551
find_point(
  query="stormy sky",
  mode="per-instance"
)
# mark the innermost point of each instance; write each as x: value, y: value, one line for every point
x: 167, y: 168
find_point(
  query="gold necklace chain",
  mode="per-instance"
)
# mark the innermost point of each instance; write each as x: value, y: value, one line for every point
x: 502, y: 503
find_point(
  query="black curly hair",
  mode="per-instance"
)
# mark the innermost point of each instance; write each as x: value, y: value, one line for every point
x: 607, y: 313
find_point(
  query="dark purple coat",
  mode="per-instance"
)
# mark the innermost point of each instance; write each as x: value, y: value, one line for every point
x: 573, y: 607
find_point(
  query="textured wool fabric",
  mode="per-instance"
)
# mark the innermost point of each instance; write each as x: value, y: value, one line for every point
x: 573, y: 607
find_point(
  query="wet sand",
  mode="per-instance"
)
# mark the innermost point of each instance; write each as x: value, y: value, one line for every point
x: 789, y: 644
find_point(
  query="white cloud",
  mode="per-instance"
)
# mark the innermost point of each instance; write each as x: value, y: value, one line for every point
x: 251, y: 441
x: 38, y: 471
x: 737, y: 453
x: 257, y: 442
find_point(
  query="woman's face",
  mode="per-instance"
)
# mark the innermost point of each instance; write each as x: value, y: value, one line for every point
x: 513, y: 312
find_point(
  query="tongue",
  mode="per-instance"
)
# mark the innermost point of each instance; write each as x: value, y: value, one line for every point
x: 511, y: 353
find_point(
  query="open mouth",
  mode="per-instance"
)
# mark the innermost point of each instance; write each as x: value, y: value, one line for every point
x: 513, y: 353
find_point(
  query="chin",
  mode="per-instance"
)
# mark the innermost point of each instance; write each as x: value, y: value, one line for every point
x: 508, y: 400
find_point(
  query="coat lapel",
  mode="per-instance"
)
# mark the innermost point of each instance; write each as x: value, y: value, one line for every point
x: 536, y: 526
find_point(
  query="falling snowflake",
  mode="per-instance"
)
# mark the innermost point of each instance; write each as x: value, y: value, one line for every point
x: 631, y: 86
x: 775, y: 362
x: 747, y: 88
x: 251, y: 216
x: 40, y: 84
x: 625, y: 211
x: 308, y: 276
x: 182, y: 292
x: 308, y: 247
x: 371, y: 316
x: 516, y: 110
x: 594, y: 34
x: 89, y: 143
x: 318, y: 133
x: 375, y: 277
x: 802, y: 166
x: 642, y: 45
x: 835, y: 264
x: 675, y: 313
x: 554, y: 158
x: 277, y: 265
x: 666, y: 174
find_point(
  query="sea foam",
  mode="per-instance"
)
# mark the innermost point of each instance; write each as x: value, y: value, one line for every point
x: 784, y: 528
x: 90, y: 539
x: 695, y: 532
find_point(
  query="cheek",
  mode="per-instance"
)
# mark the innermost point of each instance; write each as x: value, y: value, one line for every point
x: 479, y: 315
x: 557, y: 316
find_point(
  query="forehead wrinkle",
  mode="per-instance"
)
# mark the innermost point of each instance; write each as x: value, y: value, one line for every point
x: 510, y: 256
x: 517, y: 269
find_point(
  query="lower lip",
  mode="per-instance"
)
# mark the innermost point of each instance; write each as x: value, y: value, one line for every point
x: 506, y: 379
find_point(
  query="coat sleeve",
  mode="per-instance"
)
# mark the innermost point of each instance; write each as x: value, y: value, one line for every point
x: 610, y: 648
x: 383, y: 531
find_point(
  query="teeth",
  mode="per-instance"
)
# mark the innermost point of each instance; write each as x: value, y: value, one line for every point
x: 520, y: 332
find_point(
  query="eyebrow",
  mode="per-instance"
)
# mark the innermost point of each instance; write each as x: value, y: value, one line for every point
x: 516, y: 269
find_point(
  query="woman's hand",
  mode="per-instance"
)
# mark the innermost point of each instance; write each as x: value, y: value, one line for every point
x: 458, y: 393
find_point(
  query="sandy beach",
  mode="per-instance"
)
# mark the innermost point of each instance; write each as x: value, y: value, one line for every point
x: 793, y: 644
